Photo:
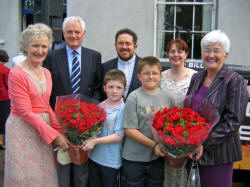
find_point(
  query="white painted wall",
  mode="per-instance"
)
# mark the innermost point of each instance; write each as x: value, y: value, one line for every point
x: 10, y: 26
x: 105, y: 17
x: 233, y: 18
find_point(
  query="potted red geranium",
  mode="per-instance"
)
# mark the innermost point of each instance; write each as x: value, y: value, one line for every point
x: 180, y: 130
x: 81, y: 118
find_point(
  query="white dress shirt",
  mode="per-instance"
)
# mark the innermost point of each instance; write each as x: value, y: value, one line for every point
x: 127, y: 67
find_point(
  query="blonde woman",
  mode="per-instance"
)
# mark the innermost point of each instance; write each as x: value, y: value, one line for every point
x: 32, y: 126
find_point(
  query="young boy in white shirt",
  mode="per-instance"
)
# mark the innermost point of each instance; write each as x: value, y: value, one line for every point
x: 105, y: 150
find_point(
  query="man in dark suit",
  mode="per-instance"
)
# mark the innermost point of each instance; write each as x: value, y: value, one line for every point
x: 127, y: 60
x: 62, y: 66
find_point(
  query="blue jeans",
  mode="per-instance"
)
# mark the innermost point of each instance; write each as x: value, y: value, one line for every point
x: 142, y: 174
x: 101, y: 176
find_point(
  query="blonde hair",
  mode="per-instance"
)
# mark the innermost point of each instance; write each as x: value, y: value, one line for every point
x: 35, y: 32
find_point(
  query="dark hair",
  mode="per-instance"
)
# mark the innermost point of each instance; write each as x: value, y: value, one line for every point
x: 4, y: 57
x: 149, y: 60
x: 180, y: 44
x: 127, y: 31
x: 115, y: 75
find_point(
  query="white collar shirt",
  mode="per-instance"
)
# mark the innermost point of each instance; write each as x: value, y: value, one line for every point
x: 127, y: 67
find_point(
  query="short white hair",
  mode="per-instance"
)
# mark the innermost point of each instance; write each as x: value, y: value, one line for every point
x: 214, y: 37
x: 73, y: 19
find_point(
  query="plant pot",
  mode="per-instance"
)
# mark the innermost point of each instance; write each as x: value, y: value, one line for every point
x: 174, y: 162
x: 77, y: 155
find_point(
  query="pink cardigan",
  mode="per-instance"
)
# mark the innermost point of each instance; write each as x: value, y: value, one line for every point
x: 27, y: 102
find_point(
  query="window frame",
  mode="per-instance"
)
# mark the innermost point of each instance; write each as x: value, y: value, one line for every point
x: 213, y: 5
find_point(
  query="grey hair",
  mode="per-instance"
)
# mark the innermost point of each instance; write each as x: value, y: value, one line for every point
x: 35, y: 32
x: 214, y: 37
x: 73, y: 19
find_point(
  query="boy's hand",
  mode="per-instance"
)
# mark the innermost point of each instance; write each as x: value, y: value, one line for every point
x: 159, y: 150
x: 88, y: 145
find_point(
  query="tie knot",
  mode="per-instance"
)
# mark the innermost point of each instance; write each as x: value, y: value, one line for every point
x: 75, y: 53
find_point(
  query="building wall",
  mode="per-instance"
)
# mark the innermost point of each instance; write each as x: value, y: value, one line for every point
x: 233, y: 18
x: 10, y: 19
x: 104, y: 18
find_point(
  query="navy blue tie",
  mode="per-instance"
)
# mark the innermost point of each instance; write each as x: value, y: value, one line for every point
x: 75, y: 73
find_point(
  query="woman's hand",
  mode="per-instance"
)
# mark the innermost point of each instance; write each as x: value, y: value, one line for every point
x: 62, y: 141
x: 197, y: 153
x: 88, y: 145
x: 159, y: 150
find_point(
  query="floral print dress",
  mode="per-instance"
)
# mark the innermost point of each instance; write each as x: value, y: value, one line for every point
x: 29, y: 160
x: 176, y: 177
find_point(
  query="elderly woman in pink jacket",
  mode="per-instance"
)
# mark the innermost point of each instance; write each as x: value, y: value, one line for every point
x: 32, y: 126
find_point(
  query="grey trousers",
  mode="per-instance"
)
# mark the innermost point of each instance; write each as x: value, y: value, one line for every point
x: 78, y: 177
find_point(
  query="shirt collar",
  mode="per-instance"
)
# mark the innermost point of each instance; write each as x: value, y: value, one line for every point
x: 69, y: 50
x: 131, y: 60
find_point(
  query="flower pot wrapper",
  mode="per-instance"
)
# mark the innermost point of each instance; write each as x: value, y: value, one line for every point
x: 77, y: 155
x: 180, y: 130
x: 80, y: 116
x: 174, y: 162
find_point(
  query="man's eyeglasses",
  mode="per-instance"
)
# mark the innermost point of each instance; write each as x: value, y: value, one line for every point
x: 127, y: 44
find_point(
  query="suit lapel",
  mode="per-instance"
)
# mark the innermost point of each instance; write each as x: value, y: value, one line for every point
x: 134, y: 76
x: 217, y: 82
x: 63, y: 69
x: 86, y: 68
x: 115, y: 64
x: 197, y: 82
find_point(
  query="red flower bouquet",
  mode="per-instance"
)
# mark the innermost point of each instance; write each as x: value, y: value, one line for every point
x: 181, y: 130
x: 81, y: 119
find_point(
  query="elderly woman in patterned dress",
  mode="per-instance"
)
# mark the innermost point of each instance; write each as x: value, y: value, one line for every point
x: 32, y: 126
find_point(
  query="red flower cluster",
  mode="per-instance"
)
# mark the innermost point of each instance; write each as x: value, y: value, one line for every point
x: 81, y: 119
x: 180, y: 129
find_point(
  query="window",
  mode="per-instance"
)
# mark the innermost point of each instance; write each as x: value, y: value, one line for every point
x: 188, y: 19
x: 28, y: 7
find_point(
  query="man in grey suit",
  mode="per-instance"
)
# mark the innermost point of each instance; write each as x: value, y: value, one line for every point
x: 127, y: 60
x: 60, y: 62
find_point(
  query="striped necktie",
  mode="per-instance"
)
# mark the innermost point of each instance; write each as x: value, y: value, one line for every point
x: 75, y: 73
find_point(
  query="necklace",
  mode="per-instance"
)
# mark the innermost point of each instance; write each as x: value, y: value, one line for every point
x: 31, y: 68
x: 38, y: 72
